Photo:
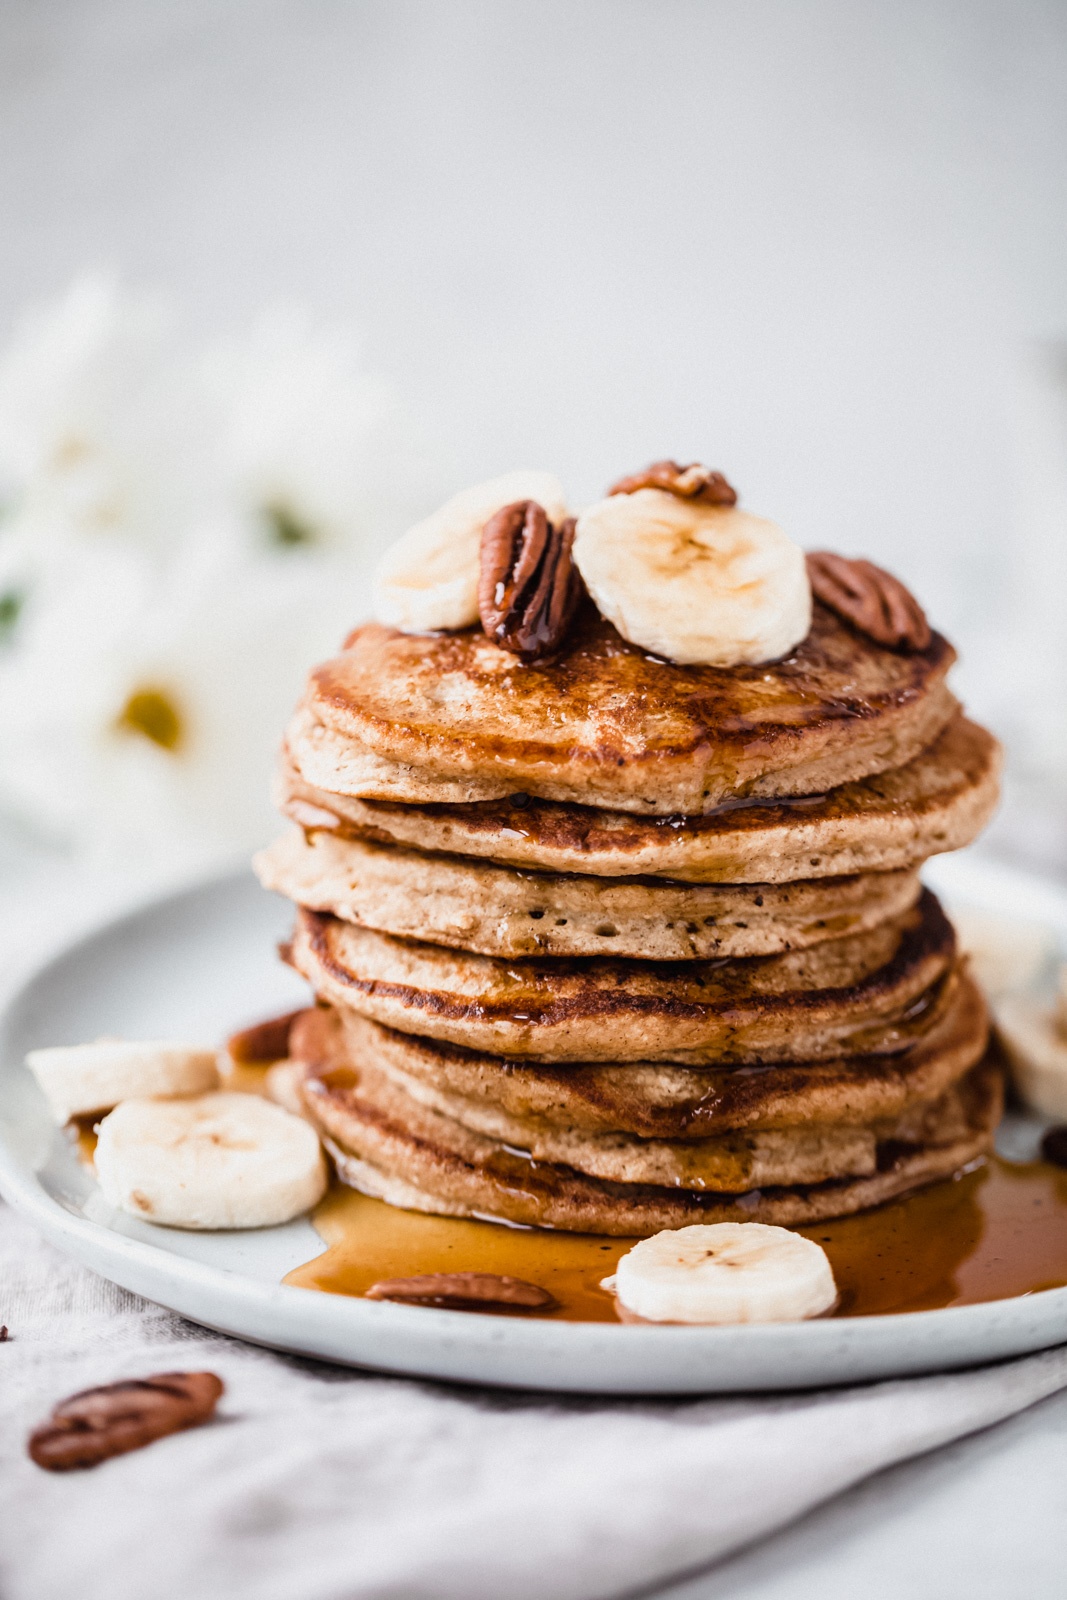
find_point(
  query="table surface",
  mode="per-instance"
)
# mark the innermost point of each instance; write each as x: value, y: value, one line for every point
x: 985, y: 1518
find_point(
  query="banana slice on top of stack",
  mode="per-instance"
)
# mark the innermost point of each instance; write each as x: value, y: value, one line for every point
x: 694, y: 582
x: 428, y: 579
x: 679, y: 571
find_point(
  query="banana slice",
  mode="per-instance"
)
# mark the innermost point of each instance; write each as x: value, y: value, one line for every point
x: 1035, y: 1042
x: 428, y: 579
x: 692, y: 582
x: 216, y: 1161
x: 282, y: 1085
x: 725, y: 1272
x: 80, y: 1078
x: 1005, y: 953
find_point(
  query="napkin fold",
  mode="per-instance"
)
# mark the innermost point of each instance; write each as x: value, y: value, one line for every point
x: 322, y: 1484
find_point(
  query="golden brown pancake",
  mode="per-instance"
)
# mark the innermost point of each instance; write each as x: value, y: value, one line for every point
x: 843, y: 995
x: 715, y: 1155
x: 500, y: 911
x: 733, y: 1162
x: 453, y: 718
x: 938, y: 801
x: 654, y: 1100
x: 415, y: 1157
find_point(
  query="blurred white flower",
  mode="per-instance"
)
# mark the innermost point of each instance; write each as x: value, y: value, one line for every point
x: 102, y: 436
x: 186, y: 531
x: 137, y: 720
x: 312, y: 449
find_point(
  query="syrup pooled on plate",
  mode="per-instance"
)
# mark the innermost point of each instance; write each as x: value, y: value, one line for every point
x: 995, y: 1232
x: 992, y: 1233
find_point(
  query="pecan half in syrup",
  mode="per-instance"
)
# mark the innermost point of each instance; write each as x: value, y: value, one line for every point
x: 871, y: 599
x: 464, y: 1291
x: 529, y: 585
x: 693, y: 482
x: 97, y: 1423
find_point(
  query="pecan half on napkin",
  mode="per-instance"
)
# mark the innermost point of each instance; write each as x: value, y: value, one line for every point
x: 89, y: 1427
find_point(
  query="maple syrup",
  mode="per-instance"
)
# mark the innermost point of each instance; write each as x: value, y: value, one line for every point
x: 997, y: 1231
x: 81, y: 1131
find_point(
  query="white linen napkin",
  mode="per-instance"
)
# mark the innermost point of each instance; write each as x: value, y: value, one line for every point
x: 322, y: 1484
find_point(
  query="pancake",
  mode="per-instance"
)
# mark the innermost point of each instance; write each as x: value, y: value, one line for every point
x: 500, y: 911
x: 654, y: 1100
x: 453, y: 718
x: 733, y: 1162
x: 414, y: 1157
x: 938, y: 801
x: 845, y: 994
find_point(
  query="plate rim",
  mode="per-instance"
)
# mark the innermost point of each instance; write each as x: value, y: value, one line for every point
x: 483, y: 1349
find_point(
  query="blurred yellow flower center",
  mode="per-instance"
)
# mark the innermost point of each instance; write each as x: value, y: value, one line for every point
x: 153, y: 714
x: 71, y: 451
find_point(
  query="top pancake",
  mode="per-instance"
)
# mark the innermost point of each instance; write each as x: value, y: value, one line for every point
x: 452, y: 718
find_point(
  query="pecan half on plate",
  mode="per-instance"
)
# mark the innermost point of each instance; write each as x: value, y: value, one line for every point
x: 89, y: 1427
x: 263, y: 1041
x: 871, y: 599
x: 694, y: 482
x: 529, y: 585
x: 464, y: 1291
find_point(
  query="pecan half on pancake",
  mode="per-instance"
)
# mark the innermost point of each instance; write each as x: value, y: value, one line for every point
x: 529, y: 585
x: 870, y: 598
x: 694, y: 482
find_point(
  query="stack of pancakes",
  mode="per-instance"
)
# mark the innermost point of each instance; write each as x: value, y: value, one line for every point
x: 609, y: 944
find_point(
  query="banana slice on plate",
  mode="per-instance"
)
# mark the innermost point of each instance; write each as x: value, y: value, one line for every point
x: 724, y: 1272
x: 1005, y: 953
x: 693, y: 582
x: 223, y: 1160
x: 282, y: 1085
x: 428, y: 579
x: 80, y: 1078
x: 1034, y: 1037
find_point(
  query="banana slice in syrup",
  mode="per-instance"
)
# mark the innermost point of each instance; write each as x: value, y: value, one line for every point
x: 724, y: 1272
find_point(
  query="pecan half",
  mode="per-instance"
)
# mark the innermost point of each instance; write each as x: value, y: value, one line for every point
x: 871, y: 599
x: 263, y: 1041
x: 529, y: 585
x: 464, y: 1291
x: 1054, y: 1146
x: 97, y: 1423
x: 693, y: 482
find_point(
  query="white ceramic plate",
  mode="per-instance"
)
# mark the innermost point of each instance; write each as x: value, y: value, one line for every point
x: 202, y: 963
